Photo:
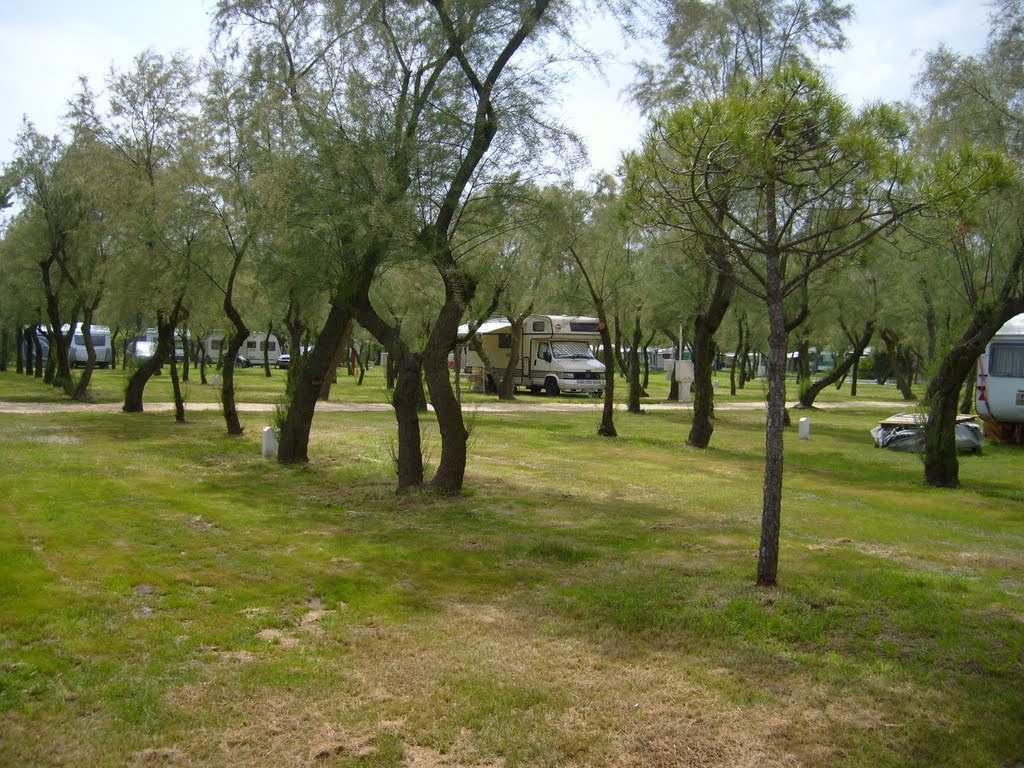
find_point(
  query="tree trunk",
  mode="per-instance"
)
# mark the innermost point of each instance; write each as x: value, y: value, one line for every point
x: 633, y: 362
x: 507, y: 389
x: 81, y: 393
x: 185, y: 351
x: 607, y: 426
x: 59, y: 343
x: 164, y: 348
x: 968, y: 390
x: 229, y: 406
x: 673, y: 385
x: 941, y: 467
x: 771, y: 510
x: 266, y: 349
x: 304, y: 388
x: 808, y: 396
x: 407, y: 392
x: 21, y: 348
x: 4, y: 350
x: 37, y: 346
x: 331, y: 375
x: 179, y: 401
x: 706, y: 325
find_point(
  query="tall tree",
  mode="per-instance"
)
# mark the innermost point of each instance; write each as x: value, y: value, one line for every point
x: 149, y: 123
x: 780, y: 179
x: 712, y: 47
x: 977, y: 99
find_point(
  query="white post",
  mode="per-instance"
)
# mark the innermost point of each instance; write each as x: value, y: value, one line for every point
x: 269, y: 443
x: 805, y: 428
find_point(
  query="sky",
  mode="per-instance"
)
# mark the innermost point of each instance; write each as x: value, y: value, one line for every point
x: 46, y: 44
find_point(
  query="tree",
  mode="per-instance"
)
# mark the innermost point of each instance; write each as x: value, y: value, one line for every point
x: 148, y: 125
x: 402, y: 148
x: 777, y: 180
x: 57, y: 211
x: 976, y: 99
x: 712, y: 47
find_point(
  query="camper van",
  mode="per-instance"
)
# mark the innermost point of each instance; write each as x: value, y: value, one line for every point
x: 999, y: 395
x: 78, y: 355
x: 555, y: 353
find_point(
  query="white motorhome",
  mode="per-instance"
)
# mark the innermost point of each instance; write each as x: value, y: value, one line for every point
x: 556, y: 353
x: 251, y: 351
x: 999, y: 395
x: 77, y: 353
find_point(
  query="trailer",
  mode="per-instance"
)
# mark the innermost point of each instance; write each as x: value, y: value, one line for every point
x: 251, y: 351
x: 999, y: 394
x: 77, y: 353
x: 556, y: 354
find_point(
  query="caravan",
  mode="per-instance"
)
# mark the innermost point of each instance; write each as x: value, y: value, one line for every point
x: 77, y: 353
x: 251, y: 351
x: 555, y: 353
x: 1000, y: 390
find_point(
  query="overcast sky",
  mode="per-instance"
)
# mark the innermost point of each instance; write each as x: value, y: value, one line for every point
x: 46, y: 44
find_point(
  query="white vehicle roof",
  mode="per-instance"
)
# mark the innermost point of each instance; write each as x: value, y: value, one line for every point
x: 1013, y: 327
x: 501, y: 324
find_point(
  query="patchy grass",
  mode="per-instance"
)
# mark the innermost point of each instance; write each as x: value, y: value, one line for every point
x: 168, y: 598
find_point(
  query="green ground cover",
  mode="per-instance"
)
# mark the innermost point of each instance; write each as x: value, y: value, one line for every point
x: 169, y: 598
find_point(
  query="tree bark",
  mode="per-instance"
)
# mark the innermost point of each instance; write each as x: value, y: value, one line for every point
x: 706, y: 325
x: 633, y: 366
x: 164, y: 347
x: 607, y: 426
x: 771, y: 510
x: 293, y: 446
x: 37, y: 346
x: 81, y: 393
x: 179, y: 401
x: 406, y: 393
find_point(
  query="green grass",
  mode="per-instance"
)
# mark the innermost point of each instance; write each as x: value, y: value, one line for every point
x: 253, y: 386
x: 167, y: 597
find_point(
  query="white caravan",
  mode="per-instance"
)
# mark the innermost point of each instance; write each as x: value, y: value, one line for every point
x: 999, y: 395
x: 77, y: 354
x: 555, y: 353
x: 251, y: 351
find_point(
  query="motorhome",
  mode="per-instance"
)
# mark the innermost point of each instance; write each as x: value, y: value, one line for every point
x: 251, y: 351
x: 77, y: 353
x: 999, y: 394
x: 556, y: 353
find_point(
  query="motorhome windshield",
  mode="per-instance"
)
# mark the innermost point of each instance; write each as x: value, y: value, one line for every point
x: 572, y: 349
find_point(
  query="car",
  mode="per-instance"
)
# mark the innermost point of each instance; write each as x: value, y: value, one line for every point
x: 284, y: 360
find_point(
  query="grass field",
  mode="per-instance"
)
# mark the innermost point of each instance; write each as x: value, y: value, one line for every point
x: 168, y: 598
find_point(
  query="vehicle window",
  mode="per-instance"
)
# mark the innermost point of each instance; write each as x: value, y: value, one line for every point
x: 572, y: 349
x: 1007, y: 360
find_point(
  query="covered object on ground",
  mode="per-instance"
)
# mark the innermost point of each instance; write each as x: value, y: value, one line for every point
x: 905, y: 432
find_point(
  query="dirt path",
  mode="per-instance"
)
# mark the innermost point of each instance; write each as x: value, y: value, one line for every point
x: 495, y: 407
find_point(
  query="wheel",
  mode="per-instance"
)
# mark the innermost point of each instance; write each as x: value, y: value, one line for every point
x: 550, y: 387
